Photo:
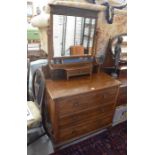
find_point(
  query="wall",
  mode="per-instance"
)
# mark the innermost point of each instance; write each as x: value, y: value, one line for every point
x: 106, y: 31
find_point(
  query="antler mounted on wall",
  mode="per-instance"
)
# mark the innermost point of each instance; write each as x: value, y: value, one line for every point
x: 110, y: 11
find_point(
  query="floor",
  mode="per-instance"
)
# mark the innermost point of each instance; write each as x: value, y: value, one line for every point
x: 42, y: 146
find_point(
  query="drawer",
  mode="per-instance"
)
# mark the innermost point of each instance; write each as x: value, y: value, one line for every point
x: 92, y: 114
x: 79, y: 71
x: 66, y: 134
x: 72, y: 104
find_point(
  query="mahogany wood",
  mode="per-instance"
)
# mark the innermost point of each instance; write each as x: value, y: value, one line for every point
x: 79, y: 70
x: 72, y: 11
x: 81, y: 105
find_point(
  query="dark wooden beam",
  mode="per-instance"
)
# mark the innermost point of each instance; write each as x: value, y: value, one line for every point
x: 70, y: 11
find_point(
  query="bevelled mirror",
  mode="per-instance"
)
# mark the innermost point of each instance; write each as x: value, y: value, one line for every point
x: 70, y: 32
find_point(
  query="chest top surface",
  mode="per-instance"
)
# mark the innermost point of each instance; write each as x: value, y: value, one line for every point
x: 79, y: 85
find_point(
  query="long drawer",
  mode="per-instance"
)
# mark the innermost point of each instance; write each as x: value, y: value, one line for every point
x: 86, y: 115
x: 70, y: 105
x: 73, y: 132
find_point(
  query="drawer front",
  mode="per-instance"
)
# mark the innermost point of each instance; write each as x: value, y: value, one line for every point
x: 92, y: 114
x: 79, y: 71
x: 70, y: 105
x: 67, y: 134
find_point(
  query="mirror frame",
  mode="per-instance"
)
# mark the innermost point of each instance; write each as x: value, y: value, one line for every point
x: 70, y: 11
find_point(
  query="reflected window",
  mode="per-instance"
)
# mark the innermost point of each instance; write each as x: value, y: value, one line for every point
x: 72, y: 31
x: 29, y: 9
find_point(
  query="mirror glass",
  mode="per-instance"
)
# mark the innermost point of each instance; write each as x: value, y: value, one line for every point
x: 123, y: 54
x: 73, y: 35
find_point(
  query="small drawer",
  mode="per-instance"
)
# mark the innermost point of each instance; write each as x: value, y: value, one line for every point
x: 70, y: 105
x: 78, y: 71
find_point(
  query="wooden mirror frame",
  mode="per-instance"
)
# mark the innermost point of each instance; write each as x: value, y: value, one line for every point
x: 70, y: 11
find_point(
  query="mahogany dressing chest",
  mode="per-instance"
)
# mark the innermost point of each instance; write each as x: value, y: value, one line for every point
x: 81, y: 105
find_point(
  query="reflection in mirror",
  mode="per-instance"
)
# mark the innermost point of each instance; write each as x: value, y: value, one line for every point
x: 73, y: 35
x: 123, y: 54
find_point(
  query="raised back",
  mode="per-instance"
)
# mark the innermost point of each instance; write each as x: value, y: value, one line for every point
x: 62, y: 50
x: 71, y: 27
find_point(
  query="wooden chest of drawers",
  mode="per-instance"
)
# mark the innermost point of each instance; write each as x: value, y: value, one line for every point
x: 81, y: 105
